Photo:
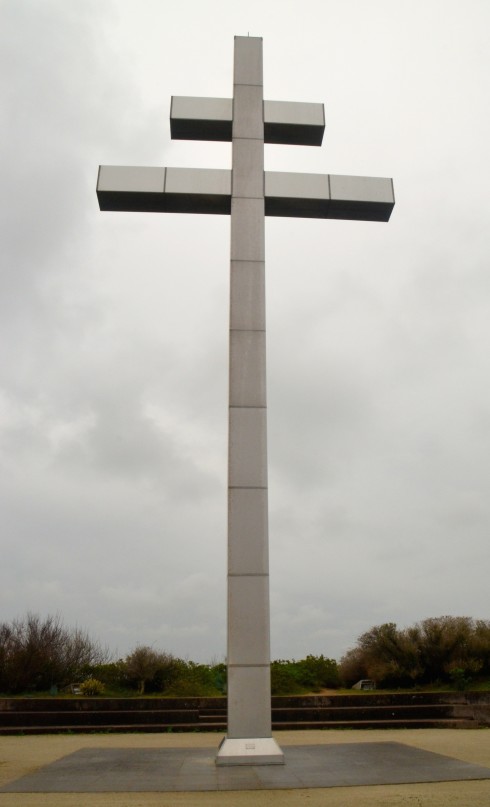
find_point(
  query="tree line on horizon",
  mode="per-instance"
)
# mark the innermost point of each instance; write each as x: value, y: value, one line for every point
x: 40, y: 655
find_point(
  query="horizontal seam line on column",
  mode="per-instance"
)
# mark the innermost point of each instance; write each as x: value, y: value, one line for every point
x: 246, y: 406
x: 247, y: 487
x: 245, y: 330
x: 247, y: 260
x: 248, y: 574
x: 248, y: 665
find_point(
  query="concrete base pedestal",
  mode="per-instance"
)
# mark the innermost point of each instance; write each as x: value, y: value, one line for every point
x: 247, y: 751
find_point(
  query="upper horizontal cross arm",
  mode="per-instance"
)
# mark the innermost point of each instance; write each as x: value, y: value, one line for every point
x: 285, y: 122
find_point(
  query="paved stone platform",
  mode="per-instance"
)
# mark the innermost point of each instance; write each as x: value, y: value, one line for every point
x: 118, y: 770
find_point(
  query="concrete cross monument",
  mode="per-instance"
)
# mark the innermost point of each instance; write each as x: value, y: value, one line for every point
x: 247, y: 194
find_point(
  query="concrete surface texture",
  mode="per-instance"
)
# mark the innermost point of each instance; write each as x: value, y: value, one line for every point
x: 248, y: 650
x: 20, y: 756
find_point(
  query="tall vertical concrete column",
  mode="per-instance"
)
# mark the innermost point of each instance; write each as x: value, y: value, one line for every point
x: 249, y: 739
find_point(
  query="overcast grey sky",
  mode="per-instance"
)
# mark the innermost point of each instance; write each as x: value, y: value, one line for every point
x: 114, y: 326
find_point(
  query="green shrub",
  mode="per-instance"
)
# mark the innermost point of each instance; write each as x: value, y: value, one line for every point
x: 194, y: 680
x: 284, y: 678
x: 220, y: 677
x: 317, y: 672
x: 459, y: 679
x: 92, y: 687
x: 113, y: 675
x: 307, y: 675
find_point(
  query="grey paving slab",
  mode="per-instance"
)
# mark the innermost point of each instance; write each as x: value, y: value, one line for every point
x: 117, y: 770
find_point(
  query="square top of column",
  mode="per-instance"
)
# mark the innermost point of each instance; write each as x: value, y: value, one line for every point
x: 248, y: 68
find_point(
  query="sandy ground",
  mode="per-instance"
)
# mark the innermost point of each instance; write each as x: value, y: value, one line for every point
x: 21, y: 755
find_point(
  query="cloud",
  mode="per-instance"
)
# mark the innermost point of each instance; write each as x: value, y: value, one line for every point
x: 113, y: 356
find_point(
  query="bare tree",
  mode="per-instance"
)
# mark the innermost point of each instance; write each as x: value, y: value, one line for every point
x: 36, y: 653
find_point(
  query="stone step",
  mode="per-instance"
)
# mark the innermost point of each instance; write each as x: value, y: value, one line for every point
x: 221, y: 727
x: 99, y: 717
x: 280, y: 717
x: 453, y: 723
x: 46, y: 716
x: 140, y: 728
x: 347, y: 713
x: 212, y: 718
x: 82, y: 704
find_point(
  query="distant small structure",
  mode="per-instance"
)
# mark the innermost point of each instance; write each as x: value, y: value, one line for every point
x: 365, y: 683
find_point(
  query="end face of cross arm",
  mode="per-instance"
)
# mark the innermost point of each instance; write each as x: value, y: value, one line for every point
x: 285, y: 122
x: 205, y: 190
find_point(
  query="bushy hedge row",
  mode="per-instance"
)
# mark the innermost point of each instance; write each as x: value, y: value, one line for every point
x: 307, y: 675
x: 148, y: 671
x: 445, y: 649
x: 37, y: 655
